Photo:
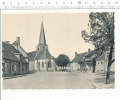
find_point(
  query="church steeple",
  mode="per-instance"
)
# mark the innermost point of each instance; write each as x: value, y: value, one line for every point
x: 42, y: 41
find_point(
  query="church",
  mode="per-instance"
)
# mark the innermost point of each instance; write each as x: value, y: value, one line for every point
x: 41, y: 59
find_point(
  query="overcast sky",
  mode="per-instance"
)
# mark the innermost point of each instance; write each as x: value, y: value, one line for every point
x: 62, y: 31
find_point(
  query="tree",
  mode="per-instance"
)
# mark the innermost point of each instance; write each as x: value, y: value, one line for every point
x: 101, y: 35
x: 63, y: 60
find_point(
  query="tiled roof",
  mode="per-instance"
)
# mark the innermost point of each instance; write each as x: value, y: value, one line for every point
x: 9, y: 47
x: 20, y: 49
x: 8, y: 55
x: 87, y: 56
x: 102, y: 57
x: 90, y: 53
x: 40, y: 54
x: 78, y: 58
x: 8, y: 52
x: 31, y: 55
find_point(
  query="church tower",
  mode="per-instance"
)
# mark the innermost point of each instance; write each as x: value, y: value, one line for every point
x: 42, y: 41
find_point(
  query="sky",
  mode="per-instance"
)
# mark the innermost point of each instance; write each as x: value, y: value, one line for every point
x: 62, y: 31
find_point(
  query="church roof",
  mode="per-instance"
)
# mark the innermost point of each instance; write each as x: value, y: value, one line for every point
x: 40, y: 54
x: 31, y: 55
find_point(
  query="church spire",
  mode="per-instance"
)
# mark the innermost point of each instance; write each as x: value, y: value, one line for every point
x: 42, y: 35
x: 42, y: 41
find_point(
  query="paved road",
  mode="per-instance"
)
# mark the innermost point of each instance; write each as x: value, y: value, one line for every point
x: 50, y: 80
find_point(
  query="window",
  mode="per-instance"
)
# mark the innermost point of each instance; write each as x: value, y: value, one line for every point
x: 7, y: 66
x: 3, y: 65
x: 12, y: 67
x: 42, y: 64
x: 38, y: 63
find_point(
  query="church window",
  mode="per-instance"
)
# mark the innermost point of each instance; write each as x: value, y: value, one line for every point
x: 49, y: 64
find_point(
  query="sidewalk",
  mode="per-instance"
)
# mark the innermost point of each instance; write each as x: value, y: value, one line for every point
x: 15, y: 76
x: 98, y: 81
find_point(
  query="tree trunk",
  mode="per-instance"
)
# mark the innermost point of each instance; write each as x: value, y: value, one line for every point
x: 94, y: 64
x: 109, y: 65
x: 108, y: 75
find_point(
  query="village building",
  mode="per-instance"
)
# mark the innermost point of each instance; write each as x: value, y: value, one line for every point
x: 13, y: 60
x: 41, y: 59
x: 89, y: 59
x: 102, y: 62
x: 84, y: 61
x: 76, y: 63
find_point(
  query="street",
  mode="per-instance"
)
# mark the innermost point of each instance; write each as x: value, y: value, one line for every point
x: 50, y: 80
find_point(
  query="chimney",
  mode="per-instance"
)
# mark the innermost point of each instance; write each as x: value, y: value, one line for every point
x: 75, y: 54
x: 88, y: 50
x: 8, y: 42
x: 18, y: 40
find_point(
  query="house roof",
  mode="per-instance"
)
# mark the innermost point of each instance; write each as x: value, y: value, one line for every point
x: 8, y: 52
x: 88, y: 57
x: 9, y: 55
x: 90, y: 53
x: 40, y: 54
x: 20, y: 49
x: 9, y: 47
x: 102, y: 57
x: 79, y: 57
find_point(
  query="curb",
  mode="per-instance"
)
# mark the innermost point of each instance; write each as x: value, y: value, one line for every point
x: 94, y: 85
x: 13, y: 77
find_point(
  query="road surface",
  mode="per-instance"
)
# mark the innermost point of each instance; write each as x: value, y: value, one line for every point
x: 50, y: 80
